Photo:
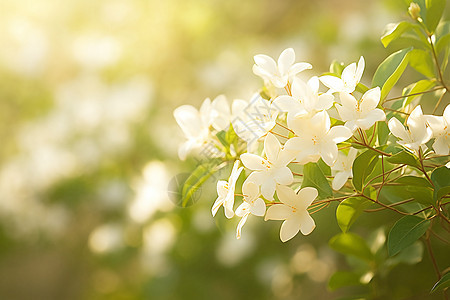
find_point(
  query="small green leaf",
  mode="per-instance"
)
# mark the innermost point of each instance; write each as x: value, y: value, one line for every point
x: 351, y: 244
x: 405, y: 232
x: 362, y: 167
x: 442, y: 36
x: 195, y: 180
x: 443, y: 283
x: 395, y: 30
x: 314, y: 177
x: 431, y: 12
x: 422, y: 62
x: 410, y: 255
x: 441, y: 180
x: 342, y: 279
x: 349, y: 210
x: 404, y: 158
x: 390, y: 70
x: 415, y: 88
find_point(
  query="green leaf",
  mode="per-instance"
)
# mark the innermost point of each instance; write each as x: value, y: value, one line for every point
x: 410, y: 255
x: 431, y: 12
x: 362, y: 167
x: 405, y: 232
x: 441, y: 180
x: 336, y: 67
x: 395, y: 30
x: 442, y: 36
x: 314, y: 177
x: 383, y: 133
x: 349, y: 210
x: 390, y: 70
x: 404, y: 158
x: 342, y: 279
x: 422, y: 62
x: 414, y: 181
x: 443, y: 283
x: 417, y: 87
x: 351, y: 244
x: 397, y: 193
x: 194, y: 182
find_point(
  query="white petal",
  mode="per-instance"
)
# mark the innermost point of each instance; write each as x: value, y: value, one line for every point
x: 188, y: 118
x: 186, y: 148
x: 441, y: 146
x: 243, y: 209
x: 325, y: 101
x: 348, y: 101
x: 370, y: 99
x: 287, y: 104
x: 436, y: 124
x: 283, y: 176
x: 446, y: 114
x: 360, y: 69
x: 205, y: 112
x: 258, y: 208
x: 307, y: 224
x: 250, y: 189
x: 286, y: 60
x: 349, y: 77
x: 334, y: 83
x: 240, y: 225
x: 221, y: 115
x: 266, y: 63
x: 286, y: 195
x: 371, y: 118
x: 268, y: 188
x: 271, y: 147
x: 397, y: 129
x: 289, y: 229
x: 329, y: 152
x: 339, y: 134
x: 299, y: 67
x: 306, y: 195
x: 339, y: 180
x: 278, y: 212
x: 252, y: 161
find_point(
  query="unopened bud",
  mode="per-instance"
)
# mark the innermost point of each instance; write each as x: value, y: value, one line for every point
x: 414, y: 10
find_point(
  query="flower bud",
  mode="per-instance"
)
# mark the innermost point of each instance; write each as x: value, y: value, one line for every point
x: 414, y: 10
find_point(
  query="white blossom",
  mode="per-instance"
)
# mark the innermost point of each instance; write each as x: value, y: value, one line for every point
x: 225, y: 191
x: 272, y: 170
x: 252, y: 204
x: 281, y: 73
x: 417, y: 133
x: 342, y: 169
x: 195, y: 126
x: 350, y: 78
x: 316, y: 138
x: 441, y: 131
x: 293, y: 209
x: 361, y: 114
x: 305, y: 99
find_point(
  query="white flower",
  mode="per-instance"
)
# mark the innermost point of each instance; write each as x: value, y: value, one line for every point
x: 305, y: 99
x: 315, y: 138
x: 362, y: 114
x: 253, y: 119
x: 225, y: 191
x: 195, y: 126
x: 252, y: 204
x: 350, y: 78
x: 343, y: 168
x: 279, y: 74
x: 221, y: 115
x: 293, y: 210
x: 417, y: 134
x: 441, y: 131
x: 271, y: 171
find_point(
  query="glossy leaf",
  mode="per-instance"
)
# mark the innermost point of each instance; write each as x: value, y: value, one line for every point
x: 431, y: 12
x: 349, y: 210
x: 441, y: 180
x: 314, y: 177
x: 404, y: 158
x: 395, y: 30
x: 405, y: 232
x: 415, y: 88
x: 342, y: 279
x: 362, y: 167
x: 443, y: 283
x: 414, y: 181
x: 351, y: 244
x: 442, y: 36
x: 390, y: 70
x: 422, y: 62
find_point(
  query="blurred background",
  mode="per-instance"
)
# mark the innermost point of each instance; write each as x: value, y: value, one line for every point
x: 89, y: 144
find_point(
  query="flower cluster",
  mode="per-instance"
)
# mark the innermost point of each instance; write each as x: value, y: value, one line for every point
x: 274, y: 136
